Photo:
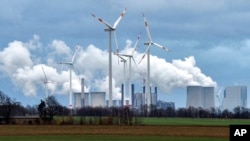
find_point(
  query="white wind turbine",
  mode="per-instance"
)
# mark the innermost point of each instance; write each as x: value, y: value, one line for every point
x: 45, y: 81
x: 124, y: 75
x: 70, y: 76
x: 148, y: 44
x: 109, y: 28
x: 130, y: 56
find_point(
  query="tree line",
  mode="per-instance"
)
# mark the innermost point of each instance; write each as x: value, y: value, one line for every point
x: 48, y: 108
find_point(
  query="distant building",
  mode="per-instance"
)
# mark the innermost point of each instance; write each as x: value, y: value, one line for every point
x: 235, y: 96
x: 97, y: 99
x: 81, y: 101
x: 93, y: 99
x: 139, y: 100
x: 165, y: 105
x: 198, y: 96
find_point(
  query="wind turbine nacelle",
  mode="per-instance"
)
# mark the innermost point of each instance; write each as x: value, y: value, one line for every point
x: 109, y: 29
x: 147, y: 43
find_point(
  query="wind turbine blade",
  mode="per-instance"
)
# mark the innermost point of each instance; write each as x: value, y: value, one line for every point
x: 134, y: 62
x: 145, y: 53
x: 136, y: 43
x: 141, y: 59
x: 147, y: 28
x: 116, y: 43
x: 160, y: 46
x: 119, y: 18
x: 74, y: 56
x: 119, y: 56
x: 46, y: 80
x: 219, y: 92
x: 117, y: 48
x: 102, y: 21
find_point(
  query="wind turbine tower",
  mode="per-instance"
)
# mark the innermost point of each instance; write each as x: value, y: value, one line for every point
x: 130, y: 57
x: 148, y: 44
x: 124, y: 76
x: 109, y: 28
x: 70, y: 64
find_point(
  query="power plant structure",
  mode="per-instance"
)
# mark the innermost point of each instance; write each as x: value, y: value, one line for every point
x: 80, y: 101
x: 98, y: 99
x: 140, y: 98
x: 234, y: 96
x: 93, y: 99
x: 200, y: 97
x: 165, y: 105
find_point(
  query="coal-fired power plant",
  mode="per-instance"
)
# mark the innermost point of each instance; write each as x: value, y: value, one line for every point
x: 99, y: 99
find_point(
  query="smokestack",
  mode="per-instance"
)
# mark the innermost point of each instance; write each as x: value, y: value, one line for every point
x: 156, y: 95
x: 143, y: 89
x: 133, y: 95
x: 122, y: 100
x: 82, y: 92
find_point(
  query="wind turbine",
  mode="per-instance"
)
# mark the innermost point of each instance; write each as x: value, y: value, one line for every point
x: 70, y: 64
x: 109, y: 28
x: 124, y: 75
x: 130, y: 56
x: 148, y: 44
x: 45, y: 81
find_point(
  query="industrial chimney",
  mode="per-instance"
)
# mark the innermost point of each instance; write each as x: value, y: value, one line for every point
x: 82, y: 92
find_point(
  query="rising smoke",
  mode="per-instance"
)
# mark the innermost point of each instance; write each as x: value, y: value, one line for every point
x: 22, y: 64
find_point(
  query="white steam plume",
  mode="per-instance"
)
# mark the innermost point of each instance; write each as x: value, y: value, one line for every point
x: 91, y: 63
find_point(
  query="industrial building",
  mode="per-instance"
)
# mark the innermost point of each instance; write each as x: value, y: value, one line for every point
x: 234, y: 96
x: 165, y: 105
x: 81, y: 100
x: 97, y: 99
x: 93, y: 99
x: 198, y: 96
x: 139, y: 98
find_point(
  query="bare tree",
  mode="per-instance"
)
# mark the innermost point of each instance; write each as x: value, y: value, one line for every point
x: 52, y: 107
x: 8, y: 107
x: 49, y: 108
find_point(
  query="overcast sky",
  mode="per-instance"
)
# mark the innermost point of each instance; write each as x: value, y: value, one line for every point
x: 209, y: 42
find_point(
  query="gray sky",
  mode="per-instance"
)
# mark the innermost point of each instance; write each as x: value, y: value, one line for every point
x: 213, y: 35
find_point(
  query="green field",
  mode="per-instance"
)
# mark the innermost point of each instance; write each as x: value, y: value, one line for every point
x: 182, y: 121
x: 194, y: 121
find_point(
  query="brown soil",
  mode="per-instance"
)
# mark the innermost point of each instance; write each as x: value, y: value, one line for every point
x: 195, y: 131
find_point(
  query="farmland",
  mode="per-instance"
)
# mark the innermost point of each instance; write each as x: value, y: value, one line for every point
x: 179, y: 129
x: 93, y: 132
x: 194, y: 121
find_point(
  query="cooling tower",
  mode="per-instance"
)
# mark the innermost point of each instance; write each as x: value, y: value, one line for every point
x: 235, y: 96
x: 80, y: 102
x: 198, y: 96
x: 97, y: 99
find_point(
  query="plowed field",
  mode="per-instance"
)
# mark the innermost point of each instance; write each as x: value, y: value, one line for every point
x: 192, y: 131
